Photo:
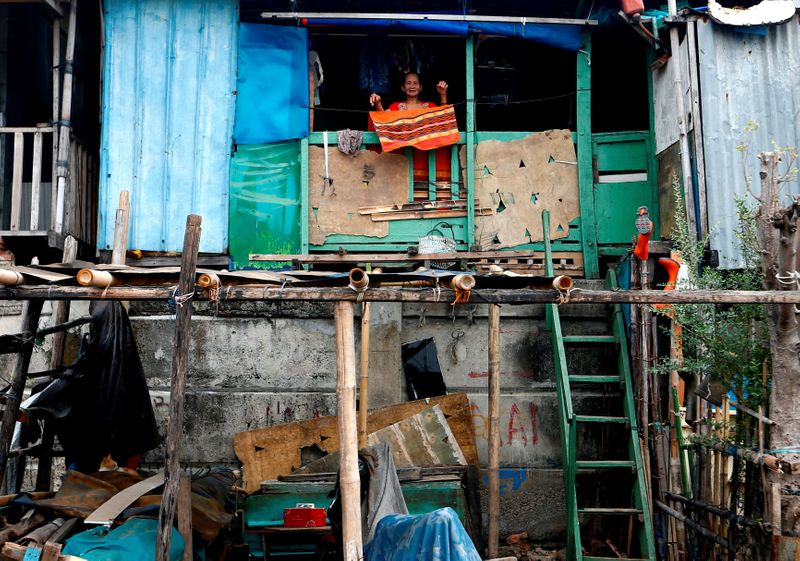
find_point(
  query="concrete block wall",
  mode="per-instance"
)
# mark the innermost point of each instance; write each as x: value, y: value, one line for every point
x: 258, y: 364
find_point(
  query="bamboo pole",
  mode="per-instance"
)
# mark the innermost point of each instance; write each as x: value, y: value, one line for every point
x: 363, y: 370
x: 56, y: 114
x: 183, y: 316
x: 494, y: 430
x: 390, y: 294
x: 11, y: 278
x: 30, y: 320
x: 95, y: 278
x: 65, y: 126
x: 58, y: 342
x: 349, y: 480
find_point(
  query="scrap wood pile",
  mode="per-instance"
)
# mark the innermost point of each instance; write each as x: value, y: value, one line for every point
x: 430, y: 443
x: 96, y: 517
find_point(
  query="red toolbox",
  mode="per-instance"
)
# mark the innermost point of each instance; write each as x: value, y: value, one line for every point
x: 304, y: 517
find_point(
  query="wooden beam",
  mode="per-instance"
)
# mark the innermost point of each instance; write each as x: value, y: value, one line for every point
x: 494, y: 430
x: 16, y: 181
x: 36, y: 180
x: 393, y: 257
x: 64, y: 144
x: 185, y: 516
x: 121, y: 229
x: 349, y: 480
x: 482, y: 295
x: 166, y: 514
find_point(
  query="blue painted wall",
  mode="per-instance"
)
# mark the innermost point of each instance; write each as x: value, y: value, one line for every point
x: 168, y: 107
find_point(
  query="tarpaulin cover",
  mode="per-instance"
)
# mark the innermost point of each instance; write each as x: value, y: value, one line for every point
x: 272, y: 86
x: 422, y: 370
x: 561, y: 36
x: 132, y: 541
x: 436, y: 536
x: 101, y: 404
x: 265, y: 208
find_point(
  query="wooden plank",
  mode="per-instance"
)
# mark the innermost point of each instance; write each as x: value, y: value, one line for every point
x: 106, y: 513
x: 51, y: 551
x: 16, y: 552
x: 390, y: 257
x: 585, y: 161
x: 166, y: 514
x: 16, y: 181
x: 36, y: 180
x: 416, y: 205
x: 272, y: 451
x: 121, y: 229
x: 430, y: 214
x: 24, y: 130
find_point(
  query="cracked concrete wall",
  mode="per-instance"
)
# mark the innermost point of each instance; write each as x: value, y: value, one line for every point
x: 258, y: 364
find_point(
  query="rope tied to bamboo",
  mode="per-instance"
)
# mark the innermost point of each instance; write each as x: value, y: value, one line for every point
x: 178, y: 299
x: 788, y: 279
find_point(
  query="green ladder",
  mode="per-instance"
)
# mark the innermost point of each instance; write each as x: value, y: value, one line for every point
x: 638, y: 508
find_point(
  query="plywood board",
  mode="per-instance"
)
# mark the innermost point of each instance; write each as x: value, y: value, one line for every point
x: 366, y: 179
x: 519, y: 179
x: 424, y: 439
x: 269, y: 452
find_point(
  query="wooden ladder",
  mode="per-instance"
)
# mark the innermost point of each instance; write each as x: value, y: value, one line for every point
x: 636, y: 508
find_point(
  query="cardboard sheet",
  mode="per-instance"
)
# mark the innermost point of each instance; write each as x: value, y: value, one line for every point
x: 366, y: 179
x: 520, y: 178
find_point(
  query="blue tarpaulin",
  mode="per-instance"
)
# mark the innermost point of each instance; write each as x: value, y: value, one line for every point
x: 436, y: 536
x: 562, y: 36
x: 272, y: 85
x: 132, y: 541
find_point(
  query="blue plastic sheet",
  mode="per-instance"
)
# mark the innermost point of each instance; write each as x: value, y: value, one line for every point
x: 566, y: 37
x: 436, y: 536
x: 272, y: 85
x: 132, y: 541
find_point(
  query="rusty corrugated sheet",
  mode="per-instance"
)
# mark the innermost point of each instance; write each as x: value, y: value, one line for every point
x: 168, y: 104
x: 744, y: 77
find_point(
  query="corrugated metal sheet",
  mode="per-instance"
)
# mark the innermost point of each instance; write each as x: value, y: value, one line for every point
x: 168, y: 105
x: 744, y: 77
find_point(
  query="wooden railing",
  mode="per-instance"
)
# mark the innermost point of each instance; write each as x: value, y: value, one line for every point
x: 34, y: 197
x: 18, y: 197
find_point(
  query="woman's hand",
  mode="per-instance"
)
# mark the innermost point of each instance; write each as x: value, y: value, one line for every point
x: 441, y: 87
x: 375, y: 101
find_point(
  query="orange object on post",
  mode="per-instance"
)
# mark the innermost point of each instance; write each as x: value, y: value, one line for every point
x: 672, y: 268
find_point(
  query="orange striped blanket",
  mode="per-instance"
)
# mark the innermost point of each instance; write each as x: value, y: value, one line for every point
x: 424, y: 129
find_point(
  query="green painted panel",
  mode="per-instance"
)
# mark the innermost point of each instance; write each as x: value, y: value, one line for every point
x: 615, y: 207
x: 624, y: 155
x: 402, y: 233
x: 265, y: 207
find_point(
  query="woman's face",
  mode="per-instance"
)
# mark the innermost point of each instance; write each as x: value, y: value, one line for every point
x: 411, y: 86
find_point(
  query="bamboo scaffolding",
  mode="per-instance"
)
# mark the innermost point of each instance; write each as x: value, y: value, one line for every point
x: 494, y: 430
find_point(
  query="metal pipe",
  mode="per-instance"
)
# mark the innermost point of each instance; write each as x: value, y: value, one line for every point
x: 426, y: 17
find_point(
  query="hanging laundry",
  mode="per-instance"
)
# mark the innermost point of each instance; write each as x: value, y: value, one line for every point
x: 349, y: 141
x: 424, y: 129
x: 315, y: 74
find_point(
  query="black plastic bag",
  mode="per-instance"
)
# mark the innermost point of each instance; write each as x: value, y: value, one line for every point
x: 423, y: 373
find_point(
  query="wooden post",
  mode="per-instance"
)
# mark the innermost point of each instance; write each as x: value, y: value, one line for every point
x: 363, y: 370
x: 121, y: 229
x: 16, y: 181
x: 185, y: 516
x: 30, y: 321
x: 494, y: 430
x: 65, y: 125
x: 166, y: 514
x: 349, y: 480
x: 56, y: 114
x: 58, y: 342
